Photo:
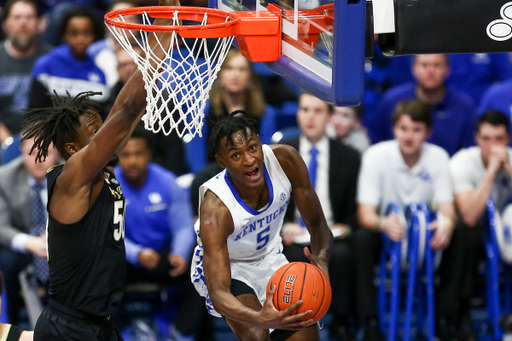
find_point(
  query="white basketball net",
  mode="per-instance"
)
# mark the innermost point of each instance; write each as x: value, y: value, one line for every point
x: 178, y: 86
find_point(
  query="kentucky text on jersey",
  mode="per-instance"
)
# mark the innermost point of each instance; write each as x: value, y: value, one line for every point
x: 265, y: 221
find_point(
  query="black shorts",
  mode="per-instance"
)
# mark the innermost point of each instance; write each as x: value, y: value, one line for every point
x: 239, y: 288
x: 55, y: 325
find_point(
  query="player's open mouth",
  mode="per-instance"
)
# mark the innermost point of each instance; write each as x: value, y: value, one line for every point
x: 253, y: 173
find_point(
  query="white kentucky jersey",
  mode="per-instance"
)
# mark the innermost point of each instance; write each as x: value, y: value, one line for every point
x: 256, y: 234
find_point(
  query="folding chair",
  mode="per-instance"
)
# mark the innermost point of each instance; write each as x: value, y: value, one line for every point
x: 498, y: 248
x: 418, y: 256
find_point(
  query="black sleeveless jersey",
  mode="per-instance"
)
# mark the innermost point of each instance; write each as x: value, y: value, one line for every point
x: 87, y: 258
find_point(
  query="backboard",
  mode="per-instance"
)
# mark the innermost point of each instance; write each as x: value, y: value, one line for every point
x: 323, y: 45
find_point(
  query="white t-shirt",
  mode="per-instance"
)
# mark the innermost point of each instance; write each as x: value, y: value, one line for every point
x: 385, y: 178
x: 467, y: 171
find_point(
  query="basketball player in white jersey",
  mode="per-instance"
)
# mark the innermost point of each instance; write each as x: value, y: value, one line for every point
x: 240, y: 218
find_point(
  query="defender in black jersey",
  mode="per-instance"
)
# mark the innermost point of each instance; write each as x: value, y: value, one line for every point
x: 86, y: 208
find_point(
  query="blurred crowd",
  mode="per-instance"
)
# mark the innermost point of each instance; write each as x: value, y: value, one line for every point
x: 431, y: 128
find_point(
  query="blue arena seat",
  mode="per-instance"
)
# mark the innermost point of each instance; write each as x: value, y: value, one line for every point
x: 498, y: 300
x: 419, y: 259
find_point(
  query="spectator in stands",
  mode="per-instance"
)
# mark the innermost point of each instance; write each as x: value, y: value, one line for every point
x: 17, y: 56
x: 479, y: 173
x: 159, y: 228
x: 454, y: 112
x: 237, y: 87
x: 482, y: 171
x: 8, y: 332
x: 55, y: 10
x: 68, y: 68
x: 23, y: 197
x: 333, y: 169
x: 402, y: 171
x: 347, y: 125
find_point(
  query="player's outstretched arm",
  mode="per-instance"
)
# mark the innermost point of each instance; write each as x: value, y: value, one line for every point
x: 216, y: 226
x: 124, y: 116
x: 308, y: 205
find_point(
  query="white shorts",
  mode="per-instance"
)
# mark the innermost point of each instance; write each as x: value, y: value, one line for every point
x: 255, y: 274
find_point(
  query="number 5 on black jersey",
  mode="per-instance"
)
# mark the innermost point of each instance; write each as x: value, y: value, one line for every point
x: 119, y: 219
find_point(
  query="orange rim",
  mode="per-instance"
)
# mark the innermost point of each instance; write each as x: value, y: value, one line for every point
x: 222, y: 22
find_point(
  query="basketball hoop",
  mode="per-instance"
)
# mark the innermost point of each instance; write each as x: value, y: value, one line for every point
x: 178, y: 85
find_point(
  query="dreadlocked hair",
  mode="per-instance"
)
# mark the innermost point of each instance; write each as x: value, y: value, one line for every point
x: 226, y: 125
x: 58, y: 124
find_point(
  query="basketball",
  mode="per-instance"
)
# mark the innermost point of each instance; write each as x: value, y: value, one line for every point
x: 301, y: 281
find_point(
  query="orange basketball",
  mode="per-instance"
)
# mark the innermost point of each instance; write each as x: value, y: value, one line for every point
x: 301, y: 281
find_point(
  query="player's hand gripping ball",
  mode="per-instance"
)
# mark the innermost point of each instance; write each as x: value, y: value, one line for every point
x: 301, y: 281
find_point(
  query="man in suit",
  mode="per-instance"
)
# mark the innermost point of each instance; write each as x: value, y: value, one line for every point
x: 333, y: 170
x: 23, y: 197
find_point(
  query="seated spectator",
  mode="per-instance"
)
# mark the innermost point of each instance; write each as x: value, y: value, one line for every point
x: 403, y: 171
x: 333, y: 169
x: 453, y: 111
x: 23, y: 198
x: 54, y: 10
x: 68, y: 68
x: 9, y: 332
x: 17, y: 56
x: 159, y: 228
x: 236, y: 88
x: 347, y: 125
x: 479, y: 173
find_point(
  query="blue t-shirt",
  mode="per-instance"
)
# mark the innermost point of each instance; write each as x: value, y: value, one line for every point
x: 454, y: 118
x: 59, y: 70
x: 158, y: 214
